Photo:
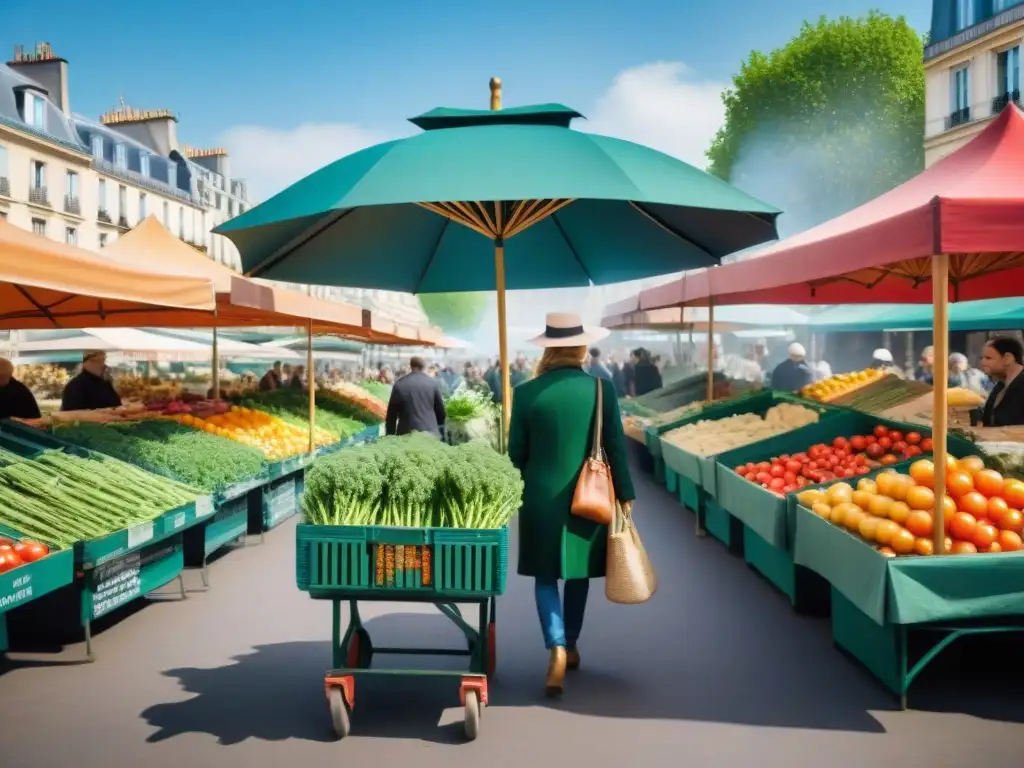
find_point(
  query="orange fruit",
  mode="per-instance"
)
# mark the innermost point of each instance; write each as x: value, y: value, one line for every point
x: 949, y: 508
x: 952, y: 464
x: 867, y: 484
x: 1013, y: 520
x: 885, y: 531
x: 985, y: 535
x: 919, y: 497
x: 879, y: 506
x: 923, y: 472
x: 899, y: 512
x: 886, y: 552
x: 973, y: 503
x: 852, y: 517
x: 994, y: 547
x: 963, y: 548
x: 1013, y: 492
x: 867, y: 527
x: 923, y: 546
x: 902, y: 542
x: 839, y: 493
x: 885, y: 482
x: 996, y: 509
x: 1009, y: 541
x: 958, y: 483
x: 862, y: 498
x: 972, y: 464
x: 835, y: 514
x: 920, y: 523
x: 988, y: 483
x: 961, y: 527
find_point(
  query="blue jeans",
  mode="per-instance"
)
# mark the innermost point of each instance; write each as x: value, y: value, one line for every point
x: 561, y: 625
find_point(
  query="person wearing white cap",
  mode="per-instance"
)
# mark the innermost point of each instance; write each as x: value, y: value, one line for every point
x: 550, y: 438
x: 793, y: 374
x: 882, y: 359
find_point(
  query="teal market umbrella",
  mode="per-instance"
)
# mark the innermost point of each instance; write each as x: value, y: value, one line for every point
x: 497, y: 199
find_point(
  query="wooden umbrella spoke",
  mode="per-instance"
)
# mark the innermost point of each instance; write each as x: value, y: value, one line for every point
x: 548, y: 208
x: 520, y: 208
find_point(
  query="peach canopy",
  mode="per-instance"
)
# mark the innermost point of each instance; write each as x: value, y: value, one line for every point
x: 45, y: 284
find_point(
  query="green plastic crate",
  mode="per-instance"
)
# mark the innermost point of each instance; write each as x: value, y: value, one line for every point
x: 130, y: 576
x: 770, y: 515
x: 32, y: 580
x: 671, y: 480
x: 723, y: 526
x: 807, y: 591
x: 229, y: 522
x: 689, y: 493
x: 397, y: 563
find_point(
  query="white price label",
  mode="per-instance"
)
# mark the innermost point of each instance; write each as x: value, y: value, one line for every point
x: 178, y: 520
x: 140, y: 534
x: 204, y: 506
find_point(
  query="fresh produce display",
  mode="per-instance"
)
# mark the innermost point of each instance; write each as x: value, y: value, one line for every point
x: 845, y: 457
x: 710, y: 437
x: 15, y: 552
x: 657, y: 419
x: 958, y: 397
x: 275, y: 438
x: 895, y: 512
x: 60, y: 498
x: 47, y: 382
x: 1009, y: 463
x: 377, y: 389
x: 882, y: 394
x: 197, y: 458
x: 132, y: 387
x: 368, y: 406
x: 828, y: 390
x: 471, y: 415
x: 292, y: 407
x: 683, y: 392
x: 413, y: 481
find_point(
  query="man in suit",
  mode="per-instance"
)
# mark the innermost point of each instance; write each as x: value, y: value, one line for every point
x: 416, y: 404
x: 1003, y: 361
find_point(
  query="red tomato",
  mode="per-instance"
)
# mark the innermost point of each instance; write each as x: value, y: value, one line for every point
x: 790, y: 478
x: 763, y: 477
x: 875, y: 451
x: 863, y: 470
x: 29, y: 551
x: 801, y: 457
x: 793, y: 466
x: 8, y: 559
x: 896, y: 436
x: 763, y: 466
x: 751, y: 467
x: 840, y: 443
x: 740, y: 470
x: 845, y: 472
x: 778, y: 470
x: 777, y: 484
x: 784, y: 457
x: 881, y: 430
x: 789, y: 488
x: 898, y: 446
x: 913, y: 438
x: 912, y: 449
x: 926, y: 445
x: 842, y: 454
x: 858, y: 443
x: 885, y: 442
x: 870, y: 439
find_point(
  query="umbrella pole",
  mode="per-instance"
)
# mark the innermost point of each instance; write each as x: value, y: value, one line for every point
x: 506, y: 389
x: 311, y: 384
x: 711, y: 351
x: 940, y: 332
x: 216, y: 366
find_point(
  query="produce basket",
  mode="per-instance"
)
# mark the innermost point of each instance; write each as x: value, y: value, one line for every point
x: 880, y: 603
x: 400, y: 563
x: 30, y: 581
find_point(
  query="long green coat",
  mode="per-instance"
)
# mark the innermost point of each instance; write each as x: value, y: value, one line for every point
x: 549, y: 439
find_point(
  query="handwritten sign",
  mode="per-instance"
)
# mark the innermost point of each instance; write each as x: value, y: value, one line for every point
x: 116, y: 583
x: 20, y: 592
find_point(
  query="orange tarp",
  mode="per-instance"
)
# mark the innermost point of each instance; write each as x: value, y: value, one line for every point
x: 46, y: 284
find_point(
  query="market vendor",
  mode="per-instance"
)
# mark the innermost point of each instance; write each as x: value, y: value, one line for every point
x: 793, y: 374
x: 90, y: 390
x: 16, y: 400
x: 1002, y: 360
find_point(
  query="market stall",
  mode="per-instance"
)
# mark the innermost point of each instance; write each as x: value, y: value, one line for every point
x: 957, y: 225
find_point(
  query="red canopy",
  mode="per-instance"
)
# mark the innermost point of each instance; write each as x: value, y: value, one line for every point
x: 970, y: 205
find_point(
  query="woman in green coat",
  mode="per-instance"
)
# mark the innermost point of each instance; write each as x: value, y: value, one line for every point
x: 549, y: 439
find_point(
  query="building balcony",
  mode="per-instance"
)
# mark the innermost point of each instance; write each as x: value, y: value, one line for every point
x: 72, y: 205
x: 958, y: 117
x: 5, y: 186
x: 102, y: 215
x: 999, y: 102
x: 122, y: 222
x: 38, y: 196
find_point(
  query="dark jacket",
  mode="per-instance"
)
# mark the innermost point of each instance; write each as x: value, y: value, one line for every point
x: 549, y: 438
x: 493, y: 379
x: 271, y: 380
x: 1010, y: 411
x: 87, y: 392
x: 415, y: 405
x: 17, y: 401
x: 599, y: 370
x: 646, y: 378
x: 792, y: 375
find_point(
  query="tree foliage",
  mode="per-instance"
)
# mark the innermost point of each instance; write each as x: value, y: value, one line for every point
x: 454, y: 311
x: 839, y: 110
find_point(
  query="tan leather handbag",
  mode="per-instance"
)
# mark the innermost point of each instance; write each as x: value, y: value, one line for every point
x: 594, y: 498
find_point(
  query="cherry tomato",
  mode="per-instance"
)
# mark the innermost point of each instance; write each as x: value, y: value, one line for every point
x: 896, y: 436
x: 898, y: 446
x: 840, y: 443
x: 881, y: 430
x: 913, y: 438
x: 858, y: 443
x: 926, y: 445
x: 885, y: 442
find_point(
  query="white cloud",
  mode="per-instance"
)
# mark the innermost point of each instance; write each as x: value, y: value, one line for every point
x: 663, y: 105
x: 270, y: 158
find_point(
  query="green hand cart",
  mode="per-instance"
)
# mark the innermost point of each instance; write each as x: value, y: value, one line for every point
x: 442, y: 566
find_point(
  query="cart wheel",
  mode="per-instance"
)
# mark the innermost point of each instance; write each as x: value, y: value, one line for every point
x: 340, y: 714
x: 472, y: 715
x: 492, y: 649
x: 360, y: 650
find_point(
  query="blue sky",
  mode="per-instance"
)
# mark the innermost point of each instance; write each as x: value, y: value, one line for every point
x: 370, y: 65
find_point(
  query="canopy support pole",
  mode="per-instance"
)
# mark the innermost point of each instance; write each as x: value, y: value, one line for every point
x: 506, y: 389
x: 311, y: 385
x: 940, y: 333
x: 711, y: 351
x: 216, y: 364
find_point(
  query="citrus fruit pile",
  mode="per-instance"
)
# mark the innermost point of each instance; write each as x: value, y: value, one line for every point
x: 845, y: 457
x: 829, y: 389
x: 896, y: 512
x: 275, y: 438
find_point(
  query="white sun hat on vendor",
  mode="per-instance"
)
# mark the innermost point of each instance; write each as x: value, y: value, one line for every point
x: 565, y: 329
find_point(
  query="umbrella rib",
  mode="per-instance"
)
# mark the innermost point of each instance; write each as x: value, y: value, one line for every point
x: 668, y: 228
x: 303, y: 238
x: 572, y: 248
x: 549, y: 208
x: 517, y: 214
x: 440, y: 210
x: 433, y: 255
x: 46, y: 312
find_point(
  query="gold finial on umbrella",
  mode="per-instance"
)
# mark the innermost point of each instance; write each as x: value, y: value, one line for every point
x: 495, y: 93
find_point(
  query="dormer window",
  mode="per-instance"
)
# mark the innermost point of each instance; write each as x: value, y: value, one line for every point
x: 34, y: 110
x: 172, y: 174
x: 144, y: 164
x: 121, y: 155
x: 97, y: 146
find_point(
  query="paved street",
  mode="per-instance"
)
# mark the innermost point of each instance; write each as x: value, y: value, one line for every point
x: 715, y: 671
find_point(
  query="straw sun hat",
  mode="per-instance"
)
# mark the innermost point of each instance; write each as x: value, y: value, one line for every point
x: 565, y: 329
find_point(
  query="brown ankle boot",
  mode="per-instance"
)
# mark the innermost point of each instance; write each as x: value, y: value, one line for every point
x: 556, y: 671
x: 572, y: 659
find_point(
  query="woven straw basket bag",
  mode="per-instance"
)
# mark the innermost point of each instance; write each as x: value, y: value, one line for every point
x: 630, y: 576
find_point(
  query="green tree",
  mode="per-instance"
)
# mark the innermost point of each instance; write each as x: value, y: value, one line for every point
x: 828, y: 121
x: 454, y: 311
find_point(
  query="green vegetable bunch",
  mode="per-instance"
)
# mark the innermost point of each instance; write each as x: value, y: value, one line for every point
x: 377, y: 389
x: 199, y: 459
x: 466, y: 405
x: 292, y: 407
x: 413, y: 481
